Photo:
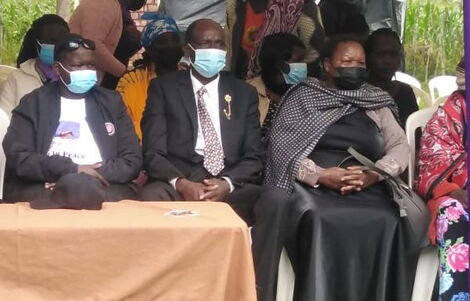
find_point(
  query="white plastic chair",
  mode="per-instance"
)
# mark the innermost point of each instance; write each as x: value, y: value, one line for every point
x: 407, y: 79
x: 4, y: 123
x: 4, y: 72
x: 415, y: 121
x: 428, y: 262
x: 443, y: 84
x: 285, y: 279
x: 440, y: 100
x: 422, y: 98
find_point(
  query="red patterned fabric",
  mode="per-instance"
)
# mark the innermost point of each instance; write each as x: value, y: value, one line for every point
x: 280, y: 16
x: 442, y: 142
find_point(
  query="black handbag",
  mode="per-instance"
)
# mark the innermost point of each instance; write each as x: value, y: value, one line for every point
x: 413, y: 210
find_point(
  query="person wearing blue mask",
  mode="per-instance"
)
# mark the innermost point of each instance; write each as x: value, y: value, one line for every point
x: 281, y: 59
x: 201, y: 132
x: 71, y: 136
x: 34, y: 60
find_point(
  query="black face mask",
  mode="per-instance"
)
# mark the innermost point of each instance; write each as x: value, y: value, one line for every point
x: 167, y: 57
x: 350, y: 78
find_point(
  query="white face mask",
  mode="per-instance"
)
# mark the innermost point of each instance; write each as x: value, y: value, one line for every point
x: 208, y: 62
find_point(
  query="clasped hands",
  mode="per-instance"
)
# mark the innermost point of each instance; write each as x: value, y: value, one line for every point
x: 209, y: 190
x: 347, y: 180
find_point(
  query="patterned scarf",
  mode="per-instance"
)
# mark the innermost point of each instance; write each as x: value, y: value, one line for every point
x: 305, y: 113
x: 280, y: 16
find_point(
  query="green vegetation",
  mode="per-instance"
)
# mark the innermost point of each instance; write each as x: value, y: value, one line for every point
x: 433, y: 37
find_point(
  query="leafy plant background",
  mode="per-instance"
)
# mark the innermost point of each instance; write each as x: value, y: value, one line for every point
x: 433, y: 40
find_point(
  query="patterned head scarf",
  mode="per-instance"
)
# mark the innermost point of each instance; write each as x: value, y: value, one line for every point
x: 158, y: 24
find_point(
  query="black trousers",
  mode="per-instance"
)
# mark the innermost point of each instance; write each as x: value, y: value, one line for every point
x: 269, y: 235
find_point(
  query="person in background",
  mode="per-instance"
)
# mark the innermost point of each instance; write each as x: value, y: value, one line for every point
x: 163, y: 51
x: 186, y: 12
x: 129, y: 43
x: 442, y: 181
x: 356, y: 25
x: 34, y: 60
x: 281, y: 58
x: 383, y: 55
x: 201, y: 133
x: 70, y: 140
x: 248, y: 22
x: 101, y: 21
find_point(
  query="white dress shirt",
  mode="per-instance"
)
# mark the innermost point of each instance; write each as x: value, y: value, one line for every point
x: 211, y: 99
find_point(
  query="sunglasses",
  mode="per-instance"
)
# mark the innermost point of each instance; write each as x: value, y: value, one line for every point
x: 75, y: 44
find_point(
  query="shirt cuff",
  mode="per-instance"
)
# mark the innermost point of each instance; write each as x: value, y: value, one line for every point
x: 229, y: 183
x: 173, y: 183
x: 309, y: 172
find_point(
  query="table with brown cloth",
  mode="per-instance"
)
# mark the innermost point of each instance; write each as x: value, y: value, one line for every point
x: 126, y: 251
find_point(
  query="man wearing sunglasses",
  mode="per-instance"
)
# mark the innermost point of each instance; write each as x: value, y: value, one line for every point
x: 71, y: 141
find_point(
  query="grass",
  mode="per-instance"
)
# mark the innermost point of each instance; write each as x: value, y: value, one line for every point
x: 433, y: 37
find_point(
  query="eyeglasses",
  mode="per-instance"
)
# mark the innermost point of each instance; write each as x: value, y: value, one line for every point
x: 75, y: 44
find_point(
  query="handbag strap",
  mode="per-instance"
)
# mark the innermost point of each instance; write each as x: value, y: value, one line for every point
x: 451, y: 168
x: 395, y: 184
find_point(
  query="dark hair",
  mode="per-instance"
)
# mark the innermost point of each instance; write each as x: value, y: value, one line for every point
x: 277, y: 48
x: 354, y: 23
x: 29, y: 47
x: 382, y: 32
x: 188, y: 38
x: 333, y: 42
x: 62, y: 47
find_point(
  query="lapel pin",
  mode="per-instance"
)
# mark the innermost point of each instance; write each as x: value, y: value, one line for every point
x: 228, y: 113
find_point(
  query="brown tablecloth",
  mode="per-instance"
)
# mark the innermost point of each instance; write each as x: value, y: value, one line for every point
x: 126, y: 251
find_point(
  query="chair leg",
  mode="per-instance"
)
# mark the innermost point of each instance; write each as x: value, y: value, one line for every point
x: 428, y: 264
x: 285, y: 279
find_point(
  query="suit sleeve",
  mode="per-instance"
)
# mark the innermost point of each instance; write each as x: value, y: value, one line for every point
x: 19, y: 147
x: 126, y: 166
x: 94, y: 21
x: 154, y: 136
x: 250, y: 166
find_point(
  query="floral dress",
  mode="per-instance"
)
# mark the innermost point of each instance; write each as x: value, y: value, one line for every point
x: 442, y: 143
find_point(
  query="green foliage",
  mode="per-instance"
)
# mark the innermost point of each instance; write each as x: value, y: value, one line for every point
x: 433, y: 37
x: 16, y: 17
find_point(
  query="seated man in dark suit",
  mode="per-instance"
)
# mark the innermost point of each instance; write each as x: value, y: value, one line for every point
x: 201, y: 133
x: 71, y: 143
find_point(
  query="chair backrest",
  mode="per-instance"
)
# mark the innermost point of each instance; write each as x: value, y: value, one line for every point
x: 5, y: 71
x: 442, y: 85
x: 422, y: 98
x: 440, y: 100
x: 415, y: 121
x: 407, y: 79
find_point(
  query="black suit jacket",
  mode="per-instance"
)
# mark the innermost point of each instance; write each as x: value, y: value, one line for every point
x: 33, y: 125
x: 170, y: 125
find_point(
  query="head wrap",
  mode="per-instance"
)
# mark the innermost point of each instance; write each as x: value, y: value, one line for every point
x: 158, y: 24
x: 460, y: 74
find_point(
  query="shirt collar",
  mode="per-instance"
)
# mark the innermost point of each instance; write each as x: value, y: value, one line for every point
x: 212, y: 86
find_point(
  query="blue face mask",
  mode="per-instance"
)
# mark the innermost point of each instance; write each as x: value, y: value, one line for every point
x: 46, y: 53
x: 81, y: 81
x: 298, y: 72
x: 208, y: 62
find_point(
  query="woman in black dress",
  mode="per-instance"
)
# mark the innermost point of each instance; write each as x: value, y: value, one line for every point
x: 342, y: 228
